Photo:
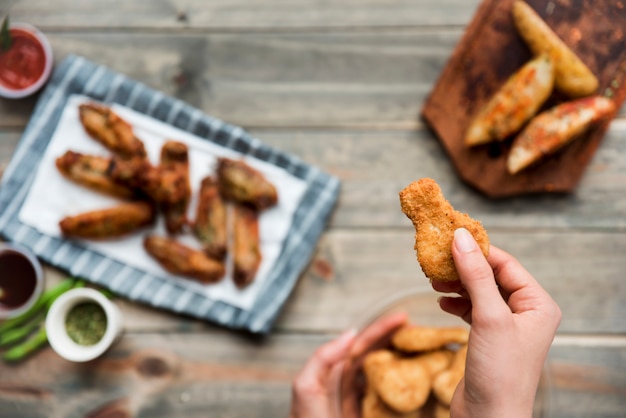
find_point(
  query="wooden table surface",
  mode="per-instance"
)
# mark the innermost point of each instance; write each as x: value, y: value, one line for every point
x: 340, y: 84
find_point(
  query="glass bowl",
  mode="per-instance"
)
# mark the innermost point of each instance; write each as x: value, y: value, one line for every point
x: 421, y: 308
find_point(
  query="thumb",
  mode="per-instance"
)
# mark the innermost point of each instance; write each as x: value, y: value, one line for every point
x: 476, y: 275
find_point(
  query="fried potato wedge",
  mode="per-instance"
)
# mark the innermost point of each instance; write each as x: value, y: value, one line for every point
x: 240, y: 182
x: 572, y: 76
x: 413, y: 338
x: 184, y: 261
x: 246, y: 245
x: 435, y: 221
x: 210, y: 225
x: 514, y: 103
x: 92, y: 171
x: 109, y: 223
x: 555, y: 128
x: 105, y: 126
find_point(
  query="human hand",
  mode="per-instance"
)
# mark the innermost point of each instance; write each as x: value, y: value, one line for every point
x: 313, y: 387
x: 513, y: 321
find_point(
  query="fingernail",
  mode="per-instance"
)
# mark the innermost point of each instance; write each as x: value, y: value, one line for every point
x: 349, y: 334
x: 464, y: 241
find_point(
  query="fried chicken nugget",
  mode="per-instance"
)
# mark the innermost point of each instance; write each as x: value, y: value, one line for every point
x: 109, y: 223
x: 445, y: 383
x: 413, y: 338
x: 210, y: 226
x: 181, y: 260
x: 402, y: 383
x: 435, y: 221
x: 247, y: 248
x: 175, y: 175
x: 441, y: 411
x: 105, y: 126
x: 242, y: 183
x: 372, y: 406
x: 92, y: 171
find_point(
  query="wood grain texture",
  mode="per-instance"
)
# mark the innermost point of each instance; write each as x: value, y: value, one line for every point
x: 489, y: 53
x: 221, y: 375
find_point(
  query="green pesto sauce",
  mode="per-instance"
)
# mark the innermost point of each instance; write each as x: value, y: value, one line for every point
x: 86, y: 323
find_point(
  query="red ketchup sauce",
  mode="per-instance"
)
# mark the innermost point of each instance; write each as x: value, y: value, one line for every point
x: 24, y: 62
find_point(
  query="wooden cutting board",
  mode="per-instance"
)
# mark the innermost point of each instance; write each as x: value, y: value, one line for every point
x: 488, y: 53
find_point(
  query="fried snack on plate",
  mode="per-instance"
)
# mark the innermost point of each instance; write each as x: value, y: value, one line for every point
x: 445, y: 383
x: 555, y: 128
x: 402, y: 383
x: 210, y: 225
x: 92, y: 171
x: 372, y: 406
x: 414, y: 338
x: 112, y: 222
x: 246, y: 246
x: 184, y: 261
x: 242, y: 183
x: 572, y: 76
x: 105, y: 126
x: 441, y: 411
x: 435, y: 221
x: 514, y: 103
x: 175, y: 175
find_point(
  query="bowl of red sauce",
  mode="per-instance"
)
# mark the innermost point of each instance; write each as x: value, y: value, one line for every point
x: 21, y: 280
x: 26, y: 65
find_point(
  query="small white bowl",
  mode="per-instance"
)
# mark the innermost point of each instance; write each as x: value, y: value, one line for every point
x: 9, y: 93
x: 57, y: 334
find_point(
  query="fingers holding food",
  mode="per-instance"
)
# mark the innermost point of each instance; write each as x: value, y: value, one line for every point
x: 413, y: 338
x: 92, y: 172
x: 572, y: 76
x: 105, y: 126
x: 182, y: 260
x: 435, y: 221
x: 240, y: 182
x: 246, y: 245
x: 210, y: 226
x: 514, y: 103
x: 555, y: 128
x: 107, y: 223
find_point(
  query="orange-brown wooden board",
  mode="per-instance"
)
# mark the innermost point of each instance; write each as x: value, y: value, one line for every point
x: 488, y: 53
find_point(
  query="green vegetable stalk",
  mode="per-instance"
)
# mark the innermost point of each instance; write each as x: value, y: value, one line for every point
x: 23, y: 350
x: 14, y: 335
x: 5, y: 35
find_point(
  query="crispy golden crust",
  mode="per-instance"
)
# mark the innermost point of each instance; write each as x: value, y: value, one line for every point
x: 210, y: 225
x: 92, y: 171
x: 110, y: 130
x: 109, y: 223
x: 435, y: 221
x: 182, y: 260
x: 372, y: 406
x: 242, y: 183
x: 175, y: 175
x: 412, y: 338
x: 445, y: 383
x: 246, y: 245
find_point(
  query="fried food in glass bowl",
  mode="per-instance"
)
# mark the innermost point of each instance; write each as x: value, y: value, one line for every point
x: 406, y: 361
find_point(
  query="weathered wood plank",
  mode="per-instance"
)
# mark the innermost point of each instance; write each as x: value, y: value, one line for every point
x: 354, y: 270
x: 219, y: 15
x: 218, y: 374
x: 381, y: 163
x: 374, y: 166
x: 346, y: 80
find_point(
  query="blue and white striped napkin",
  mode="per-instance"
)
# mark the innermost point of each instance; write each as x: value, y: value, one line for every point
x: 78, y: 76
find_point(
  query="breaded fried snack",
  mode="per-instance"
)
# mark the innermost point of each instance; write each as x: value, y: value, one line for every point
x: 435, y: 221
x: 413, y: 338
x: 112, y: 222
x: 210, y: 225
x: 106, y: 127
x: 445, y: 383
x: 180, y: 259
x: 240, y: 182
x: 246, y: 245
x: 373, y: 406
x: 175, y: 165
